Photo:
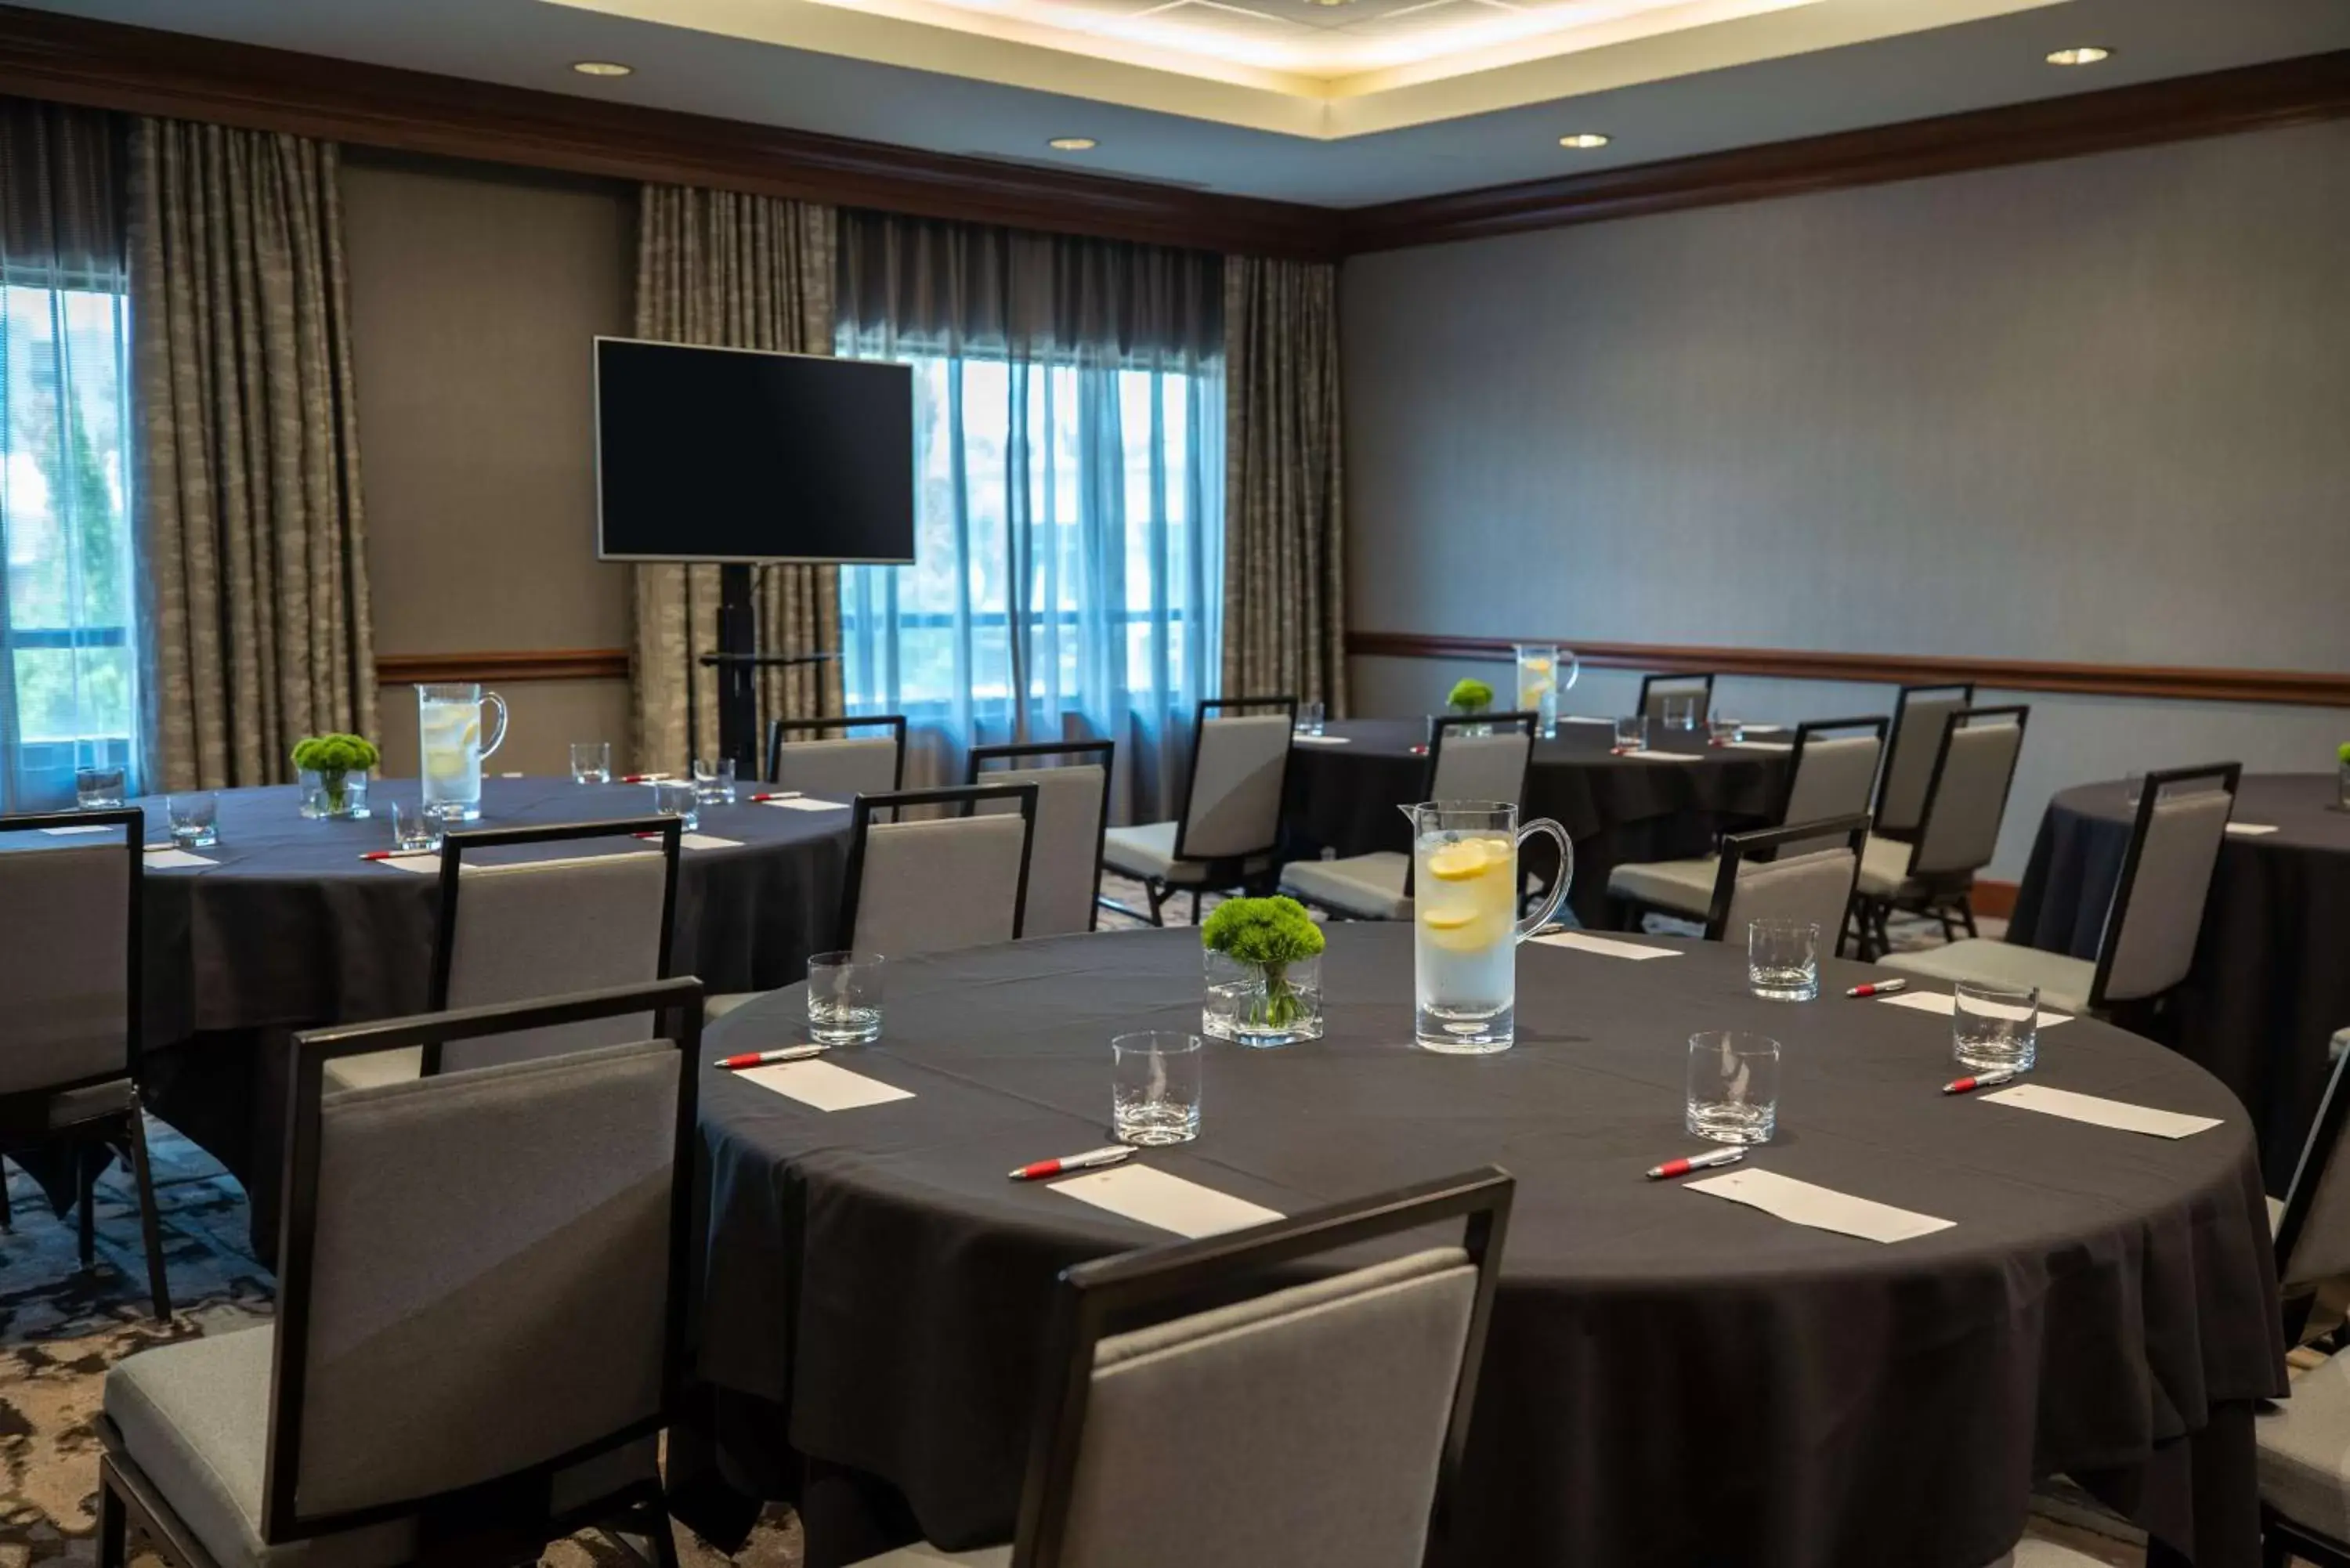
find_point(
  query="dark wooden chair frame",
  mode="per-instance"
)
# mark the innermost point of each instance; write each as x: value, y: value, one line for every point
x: 1949, y: 896
x: 28, y: 1112
x: 2229, y: 775
x: 1765, y: 844
x: 1966, y: 691
x: 455, y: 846
x: 1101, y: 754
x: 1223, y: 871
x: 1155, y: 1285
x: 867, y: 807
x: 496, y: 1521
x: 894, y: 722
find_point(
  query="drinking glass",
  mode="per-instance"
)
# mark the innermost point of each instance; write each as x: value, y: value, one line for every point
x: 1466, y: 930
x: 1734, y: 1086
x: 680, y: 798
x: 1721, y: 732
x: 1309, y: 717
x: 97, y: 788
x: 1155, y: 1087
x: 1682, y: 709
x: 413, y: 828
x: 450, y: 746
x: 1995, y: 1027
x: 1783, y: 960
x: 591, y: 761
x: 713, y: 780
x: 1545, y: 670
x: 194, y: 819
x: 1632, y: 733
x: 844, y: 998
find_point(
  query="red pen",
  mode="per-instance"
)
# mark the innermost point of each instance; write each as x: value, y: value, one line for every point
x: 1979, y: 1081
x: 1091, y: 1160
x: 643, y: 778
x: 1878, y: 988
x: 777, y: 795
x: 1696, y: 1162
x: 768, y: 1058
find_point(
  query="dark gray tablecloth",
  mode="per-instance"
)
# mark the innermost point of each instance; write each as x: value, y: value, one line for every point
x: 2269, y: 984
x: 290, y: 929
x: 1615, y: 809
x: 1672, y: 1378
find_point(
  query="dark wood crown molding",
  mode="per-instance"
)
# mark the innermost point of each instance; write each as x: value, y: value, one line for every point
x: 2251, y: 97
x: 142, y: 71
x: 552, y: 664
x: 2290, y: 687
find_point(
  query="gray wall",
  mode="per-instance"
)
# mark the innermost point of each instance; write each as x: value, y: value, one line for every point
x: 475, y: 291
x: 2094, y: 411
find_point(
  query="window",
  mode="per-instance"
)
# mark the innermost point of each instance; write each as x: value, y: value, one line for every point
x: 67, y: 657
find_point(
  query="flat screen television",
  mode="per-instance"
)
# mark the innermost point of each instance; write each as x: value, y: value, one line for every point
x: 732, y: 454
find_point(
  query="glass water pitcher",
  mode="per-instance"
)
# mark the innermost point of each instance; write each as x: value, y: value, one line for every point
x: 1465, y: 925
x: 1545, y: 670
x: 449, y: 742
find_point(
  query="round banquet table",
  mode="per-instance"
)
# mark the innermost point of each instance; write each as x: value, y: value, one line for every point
x: 1671, y: 1379
x: 2269, y: 986
x: 1344, y: 790
x: 289, y: 929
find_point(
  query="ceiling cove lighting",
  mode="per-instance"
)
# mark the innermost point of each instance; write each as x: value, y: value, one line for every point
x: 2086, y: 55
x: 602, y: 68
x: 1585, y: 140
x: 1073, y: 144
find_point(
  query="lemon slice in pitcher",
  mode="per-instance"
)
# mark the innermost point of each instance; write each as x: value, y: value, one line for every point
x: 1461, y: 860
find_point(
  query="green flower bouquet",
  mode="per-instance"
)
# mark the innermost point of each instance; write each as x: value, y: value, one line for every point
x: 334, y: 773
x: 1471, y: 696
x: 2342, y: 755
x: 1264, y: 980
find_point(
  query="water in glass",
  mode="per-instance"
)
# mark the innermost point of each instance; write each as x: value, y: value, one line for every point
x: 1632, y: 733
x: 1783, y: 960
x: 591, y: 761
x: 844, y: 998
x: 1734, y: 1087
x: 1466, y: 930
x: 680, y: 798
x: 194, y: 818
x: 1995, y: 1027
x: 713, y: 779
x: 450, y: 745
x: 413, y: 827
x: 1682, y: 712
x: 97, y: 788
x: 1155, y: 1087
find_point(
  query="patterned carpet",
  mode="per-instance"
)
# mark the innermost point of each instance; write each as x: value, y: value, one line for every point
x: 60, y: 1329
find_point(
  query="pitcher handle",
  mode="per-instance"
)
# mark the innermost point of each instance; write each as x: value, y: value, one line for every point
x: 1542, y: 917
x: 497, y: 739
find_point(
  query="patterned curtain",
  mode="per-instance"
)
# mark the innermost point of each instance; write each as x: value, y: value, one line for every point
x: 255, y: 545
x: 738, y: 272
x: 1285, y: 518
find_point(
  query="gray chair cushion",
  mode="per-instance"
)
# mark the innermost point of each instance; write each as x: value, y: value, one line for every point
x: 2047, y: 1555
x: 1960, y: 831
x: 1367, y: 886
x: 372, y: 1071
x: 1814, y: 887
x: 1885, y: 869
x: 1482, y: 767
x: 65, y: 925
x: 933, y: 886
x: 2305, y: 1451
x: 194, y: 1418
x: 717, y: 1007
x: 1833, y: 779
x: 2153, y: 939
x: 840, y: 770
x: 922, y: 1554
x: 1236, y: 783
x: 1064, y: 861
x: 1148, y: 849
x: 1915, y: 743
x: 1683, y: 886
x: 2063, y: 981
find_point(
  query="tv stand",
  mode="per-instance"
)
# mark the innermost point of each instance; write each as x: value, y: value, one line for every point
x: 738, y: 662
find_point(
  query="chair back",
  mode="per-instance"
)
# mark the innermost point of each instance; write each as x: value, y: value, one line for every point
x: 1490, y: 767
x: 936, y: 885
x: 482, y: 1274
x: 1325, y: 1420
x: 2157, y: 913
x: 69, y: 926
x: 1655, y: 688
x: 841, y: 768
x: 1240, y: 764
x: 513, y: 931
x: 1966, y: 796
x: 1831, y: 772
x: 1919, y: 715
x: 1072, y: 814
x: 1785, y: 874
x: 2313, y: 1234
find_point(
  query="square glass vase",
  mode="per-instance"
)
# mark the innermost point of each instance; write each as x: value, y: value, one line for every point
x: 1255, y: 1005
x: 2342, y: 788
x: 322, y: 798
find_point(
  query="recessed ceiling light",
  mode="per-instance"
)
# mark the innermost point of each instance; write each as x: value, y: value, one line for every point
x: 1073, y: 144
x: 1584, y: 141
x: 602, y: 68
x: 2086, y: 55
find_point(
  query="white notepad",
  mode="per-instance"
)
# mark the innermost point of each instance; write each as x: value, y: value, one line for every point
x: 2101, y: 1113
x: 1663, y: 756
x: 1944, y: 1003
x: 92, y: 828
x: 1759, y: 745
x: 824, y: 1086
x: 1323, y: 740
x: 706, y: 841
x: 2250, y: 829
x: 1168, y: 1202
x: 1763, y: 729
x: 1610, y: 947
x: 806, y: 802
x: 1821, y: 1208
x: 175, y: 859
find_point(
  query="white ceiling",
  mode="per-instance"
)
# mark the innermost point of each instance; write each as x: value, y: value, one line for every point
x: 1971, y: 65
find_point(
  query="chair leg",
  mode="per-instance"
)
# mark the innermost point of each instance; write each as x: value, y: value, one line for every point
x: 1967, y: 914
x: 1158, y: 893
x: 150, y: 1229
x: 86, y: 1182
x: 7, y: 1219
x: 113, y: 1524
x: 1195, y: 906
x: 1949, y: 929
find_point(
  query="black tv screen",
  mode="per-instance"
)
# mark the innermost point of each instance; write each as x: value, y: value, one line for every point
x: 728, y: 454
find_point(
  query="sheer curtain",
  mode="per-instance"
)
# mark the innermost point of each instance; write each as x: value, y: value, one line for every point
x: 68, y: 659
x: 1070, y: 467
